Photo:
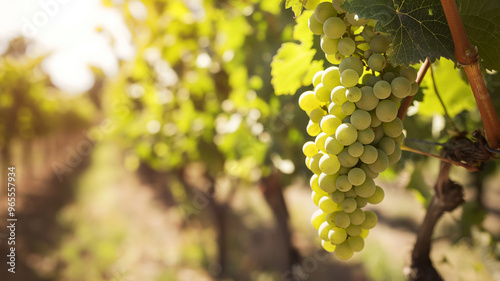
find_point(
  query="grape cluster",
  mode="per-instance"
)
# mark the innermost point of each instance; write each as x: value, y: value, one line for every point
x: 353, y: 115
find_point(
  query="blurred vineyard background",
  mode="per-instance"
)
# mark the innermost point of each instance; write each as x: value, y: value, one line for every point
x: 149, y: 145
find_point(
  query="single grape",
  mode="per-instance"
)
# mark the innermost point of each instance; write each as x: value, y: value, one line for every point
x: 366, y: 189
x: 400, y: 139
x: 342, y: 219
x: 388, y: 145
x: 332, y: 146
x: 324, y: 11
x: 329, y: 124
x: 370, y: 155
x: 356, y: 149
x: 394, y: 128
x: 370, y: 220
x: 409, y: 73
x: 351, y: 63
x: 356, y: 20
x: 338, y: 95
x: 337, y: 235
x: 342, y: 183
x: 328, y: 246
x: 322, y: 93
x: 343, y: 251
x: 377, y: 197
x: 379, y: 134
x: 356, y: 243
x: 337, y: 196
x: 346, y: 134
x: 317, y: 219
x: 401, y: 87
x: 368, y: 100
x: 366, y: 136
x: 386, y: 110
x: 349, y: 205
x: 346, y: 160
x: 320, y: 141
x: 368, y: 33
x: 364, y: 233
x: 327, y: 182
x: 331, y: 77
x: 309, y: 149
x: 353, y: 94
x: 380, y: 43
x: 375, y: 121
x: 414, y: 89
x: 357, y: 217
x: 316, y: 114
x: 334, y: 27
x: 315, y: 198
x: 327, y: 205
x: 377, y: 62
x: 395, y: 156
x: 356, y: 176
x: 317, y: 78
x: 334, y: 58
x: 349, y: 78
x: 389, y: 76
x: 372, y: 80
x: 361, y: 201
x: 353, y: 230
x: 308, y: 102
x: 381, y: 164
x: 311, y: 4
x: 329, y: 164
x: 348, y: 108
x: 382, y: 89
x: 323, y: 230
x: 346, y: 46
x: 314, y: 163
x: 351, y: 194
x: 313, y: 129
x: 361, y: 119
x: 328, y: 45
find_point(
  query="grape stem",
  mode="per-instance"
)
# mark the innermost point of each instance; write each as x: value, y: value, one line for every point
x: 407, y: 101
x: 467, y: 56
x: 448, y: 118
x: 470, y: 168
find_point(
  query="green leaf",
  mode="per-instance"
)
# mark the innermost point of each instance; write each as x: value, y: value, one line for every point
x: 418, y: 28
x: 314, y: 67
x: 482, y: 23
x: 296, y: 6
x: 289, y: 67
x: 301, y: 31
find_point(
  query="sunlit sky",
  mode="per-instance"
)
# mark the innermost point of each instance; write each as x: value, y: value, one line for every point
x: 68, y: 30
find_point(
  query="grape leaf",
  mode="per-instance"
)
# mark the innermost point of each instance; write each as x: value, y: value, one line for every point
x: 418, y: 28
x: 482, y: 23
x: 296, y: 6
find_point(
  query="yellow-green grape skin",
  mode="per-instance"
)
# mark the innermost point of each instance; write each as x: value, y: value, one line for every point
x: 330, y: 124
x: 357, y: 217
x: 331, y: 77
x: 322, y: 93
x: 348, y: 108
x: 308, y: 102
x: 379, y: 134
x: 329, y: 46
x: 313, y: 129
x: 316, y: 114
x: 356, y: 20
x: 380, y: 44
x: 382, y: 89
x: 372, y: 80
x: 349, y: 205
x: 333, y: 58
x: 370, y: 220
x: 366, y: 136
x: 370, y: 154
x: 377, y: 62
x: 346, y: 46
x: 311, y: 4
x: 310, y: 149
x: 337, y: 196
x: 351, y: 63
x: 320, y: 141
x: 324, y: 11
x: 353, y: 230
x: 409, y: 73
x: 329, y: 164
x: 314, y: 163
x: 395, y: 156
x: 317, y: 78
x: 356, y: 149
x: 327, y: 182
x: 361, y: 119
x: 328, y: 246
x: 368, y: 33
x: 349, y: 78
x: 400, y: 139
x: 356, y: 176
x: 323, y: 230
x: 346, y: 160
x: 342, y: 183
x: 346, y: 134
x: 315, y: 198
x: 356, y: 243
x: 327, y: 205
x: 336, y: 4
x: 330, y: 218
x: 377, y: 197
x: 386, y: 110
x: 381, y: 164
x: 318, y: 218
x: 343, y: 251
x: 332, y: 146
x: 366, y: 189
x: 414, y: 89
x: 315, y: 26
x: 375, y: 121
x: 394, y: 128
x: 337, y: 235
x: 361, y: 201
x: 364, y: 233
x: 368, y: 100
x: 351, y: 194
x: 353, y: 94
x: 388, y: 145
x: 314, y: 183
x: 343, y: 170
x: 368, y: 172
x: 342, y: 219
x: 389, y: 76
x: 334, y: 27
x: 401, y: 87
x: 338, y: 95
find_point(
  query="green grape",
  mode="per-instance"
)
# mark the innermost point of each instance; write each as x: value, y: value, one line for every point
x: 356, y: 176
x: 380, y: 43
x: 353, y: 94
x: 334, y: 27
x: 308, y: 102
x: 309, y: 149
x: 361, y: 119
x: 382, y: 89
x: 317, y: 78
x: 314, y: 183
x: 315, y: 198
x: 323, y: 230
x: 356, y: 243
x: 338, y: 95
x: 327, y: 182
x: 320, y: 141
x: 377, y: 62
x: 395, y: 99
x: 342, y: 183
x: 400, y: 139
x: 332, y: 146
x: 329, y: 124
x: 314, y: 163
x: 327, y: 205
x: 322, y: 93
x: 331, y: 77
x: 337, y: 196
x: 329, y: 164
x: 394, y: 128
x: 346, y: 46
x: 342, y: 219
x: 324, y: 11
x: 343, y: 170
x: 389, y: 76
x: 370, y: 154
x: 381, y: 164
x: 317, y: 219
x: 348, y: 108
x: 395, y: 156
x: 353, y: 230
x: 366, y: 189
x: 368, y: 33
x: 333, y: 58
x: 311, y: 4
x: 368, y: 100
x: 346, y: 134
x: 315, y: 26
x: 349, y: 205
x: 372, y: 80
x: 328, y: 45
x: 401, y: 87
x: 316, y: 114
x: 370, y: 220
x: 355, y: 150
x: 379, y: 134
x: 377, y: 197
x: 351, y: 63
x: 366, y: 136
x: 357, y: 217
x: 375, y: 121
x: 414, y: 89
x: 349, y: 78
x: 386, y: 110
x: 351, y: 193
x: 356, y: 20
x: 364, y: 233
x: 336, y: 5
x: 337, y: 235
x: 346, y: 160
x: 328, y: 246
x: 409, y: 73
x: 313, y: 129
x: 343, y: 251
x: 388, y: 145
x: 360, y: 200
